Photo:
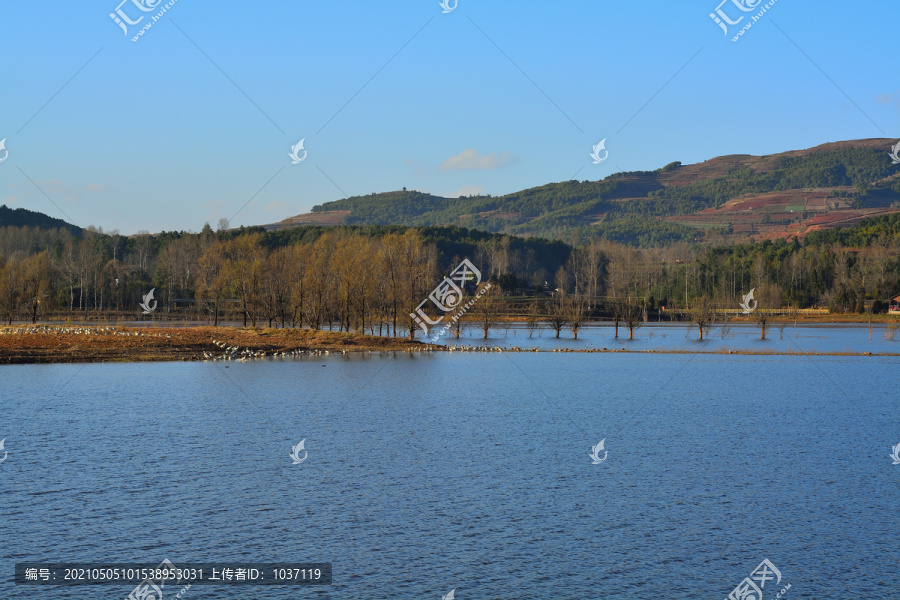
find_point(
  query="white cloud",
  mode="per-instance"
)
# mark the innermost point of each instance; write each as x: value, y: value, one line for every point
x: 95, y: 187
x: 886, y: 99
x: 470, y: 159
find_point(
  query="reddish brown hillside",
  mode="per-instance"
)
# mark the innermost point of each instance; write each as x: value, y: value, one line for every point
x: 329, y: 217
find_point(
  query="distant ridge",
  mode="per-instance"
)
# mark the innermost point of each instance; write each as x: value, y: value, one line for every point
x: 728, y: 199
x: 22, y: 217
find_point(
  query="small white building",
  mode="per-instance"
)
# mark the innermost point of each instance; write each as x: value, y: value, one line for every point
x: 894, y: 307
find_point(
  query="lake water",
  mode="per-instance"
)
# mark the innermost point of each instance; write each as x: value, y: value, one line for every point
x: 431, y: 472
x: 681, y: 337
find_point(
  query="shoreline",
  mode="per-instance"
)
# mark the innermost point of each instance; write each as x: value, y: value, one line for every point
x: 54, y: 344
x: 47, y: 344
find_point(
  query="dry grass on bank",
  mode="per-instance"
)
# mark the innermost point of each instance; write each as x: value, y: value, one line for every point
x: 59, y: 344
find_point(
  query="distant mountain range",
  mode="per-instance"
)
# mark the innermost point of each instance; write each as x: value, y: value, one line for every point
x: 735, y: 198
x: 729, y: 199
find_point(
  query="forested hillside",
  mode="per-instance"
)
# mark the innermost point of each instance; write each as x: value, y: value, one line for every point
x: 738, y: 198
x: 21, y: 217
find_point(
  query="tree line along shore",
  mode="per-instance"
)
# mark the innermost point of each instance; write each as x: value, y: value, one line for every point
x: 369, y: 280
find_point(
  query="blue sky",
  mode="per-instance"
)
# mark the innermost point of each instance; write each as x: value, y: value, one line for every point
x: 195, y: 120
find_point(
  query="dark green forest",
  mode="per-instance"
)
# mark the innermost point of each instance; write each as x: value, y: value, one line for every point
x: 22, y: 217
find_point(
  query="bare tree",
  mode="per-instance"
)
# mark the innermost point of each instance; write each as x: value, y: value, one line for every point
x: 245, y: 256
x: 761, y: 318
x: 318, y: 281
x: 782, y: 323
x: 702, y: 315
x: 590, y: 262
x: 417, y: 263
x: 617, y: 289
x: 275, y: 285
x: 211, y: 279
x: 346, y: 272
x: 793, y: 313
x: 632, y: 315
x: 624, y: 284
x: 297, y: 279
x: 769, y: 299
x: 68, y: 269
x: 487, y: 306
x: 35, y: 282
x: 10, y: 278
x: 456, y: 322
x: 533, y: 320
x: 391, y: 251
x: 114, y: 272
x: 725, y: 326
x: 143, y: 247
x: 555, y: 309
x: 577, y: 313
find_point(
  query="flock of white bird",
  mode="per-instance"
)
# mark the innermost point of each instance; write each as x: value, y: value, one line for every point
x: 237, y: 353
x: 532, y: 349
x: 245, y: 354
x: 72, y: 331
